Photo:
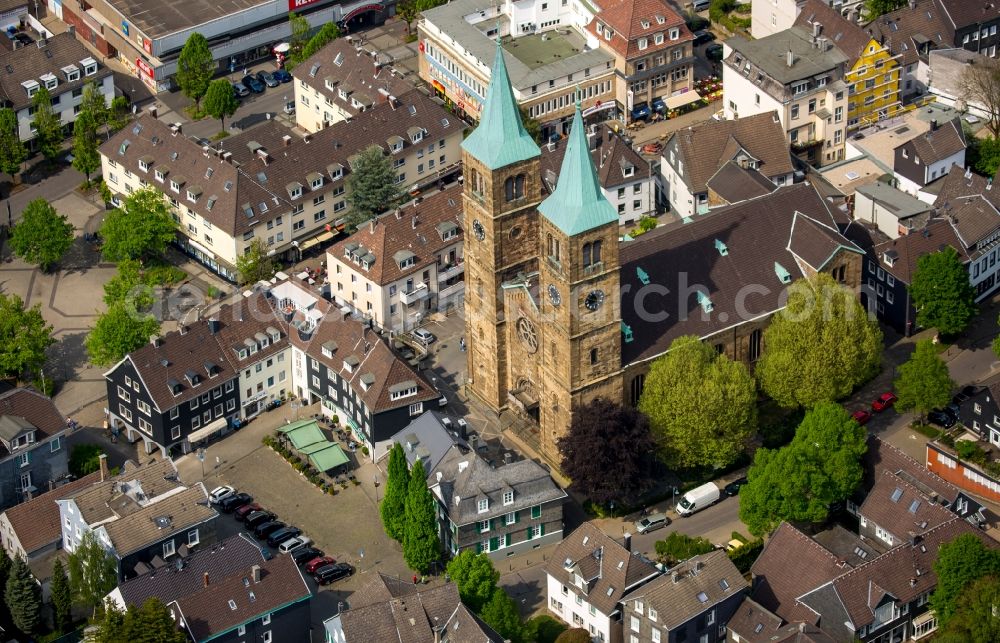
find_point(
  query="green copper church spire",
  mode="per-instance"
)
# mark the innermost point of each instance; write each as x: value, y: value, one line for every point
x: 500, y: 138
x: 578, y: 204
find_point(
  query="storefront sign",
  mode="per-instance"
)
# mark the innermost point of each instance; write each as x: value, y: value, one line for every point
x: 124, y: 27
x: 466, y: 100
x: 147, y: 44
x: 295, y: 5
x: 144, y: 67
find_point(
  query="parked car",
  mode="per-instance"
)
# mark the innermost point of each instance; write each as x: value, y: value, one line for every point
x: 258, y: 518
x: 698, y: 498
x: 883, y: 402
x: 714, y: 52
x: 703, y: 36
x: 861, y: 416
x: 425, y: 337
x: 241, y: 90
x: 265, y: 529
x: 281, y: 535
x: 220, y: 493
x: 293, y: 544
x: 268, y: 78
x: 941, y: 418
x: 316, y: 563
x: 241, y: 513
x: 733, y: 488
x: 255, y: 85
x: 330, y: 573
x: 652, y: 522
x: 303, y: 556
x: 282, y: 76
x: 734, y: 544
x: 233, y: 502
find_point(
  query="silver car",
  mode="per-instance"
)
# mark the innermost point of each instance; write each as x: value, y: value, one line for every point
x: 652, y: 522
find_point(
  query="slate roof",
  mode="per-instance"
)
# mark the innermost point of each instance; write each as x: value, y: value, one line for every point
x: 476, y: 479
x: 844, y: 34
x: 634, y: 19
x: 705, y: 147
x: 937, y: 235
x: 107, y: 500
x: 609, y: 574
x: 733, y: 183
x: 183, y: 510
x: 937, y: 144
x: 769, y: 55
x: 578, y: 204
x: 964, y: 13
x: 428, y: 436
x: 904, y: 572
x: 500, y: 138
x: 417, y: 228
x: 609, y: 153
x: 882, y: 457
x: 908, y: 32
x: 27, y: 408
x: 901, y: 508
x: 382, y: 588
x: 36, y: 522
x: 363, y: 76
x: 703, y: 581
x: 778, y: 585
x: 32, y: 62
x: 789, y: 226
x: 754, y: 624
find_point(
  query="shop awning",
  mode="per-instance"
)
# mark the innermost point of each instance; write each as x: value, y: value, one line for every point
x: 329, y: 458
x: 318, y: 239
x: 305, y: 435
x: 640, y: 111
x: 659, y: 105
x: 684, y: 98
x: 207, y: 430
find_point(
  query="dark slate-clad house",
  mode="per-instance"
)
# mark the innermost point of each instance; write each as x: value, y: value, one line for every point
x: 229, y: 592
x: 930, y: 156
x: 32, y: 456
x: 280, y: 339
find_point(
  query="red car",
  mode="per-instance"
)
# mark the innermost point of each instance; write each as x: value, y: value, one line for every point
x: 883, y: 402
x: 316, y: 563
x: 242, y: 512
x: 861, y: 417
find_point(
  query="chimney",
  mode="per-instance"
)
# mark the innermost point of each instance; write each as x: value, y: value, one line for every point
x: 72, y: 30
x: 255, y: 573
x: 286, y: 140
x: 817, y: 28
x: 698, y: 566
x: 437, y: 634
x: 675, y: 577
x: 413, y: 223
x: 627, y: 542
x: 213, y: 326
x: 152, y: 111
x: 204, y: 579
x: 913, y: 4
x: 371, y: 225
x: 103, y: 459
x: 176, y: 129
x: 933, y: 124
x: 790, y: 58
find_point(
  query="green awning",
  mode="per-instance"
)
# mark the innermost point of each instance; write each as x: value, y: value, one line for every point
x: 329, y: 458
x: 303, y: 435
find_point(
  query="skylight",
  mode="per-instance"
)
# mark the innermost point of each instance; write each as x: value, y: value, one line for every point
x: 914, y: 506
x: 896, y: 495
x: 702, y: 597
x: 232, y: 604
x: 723, y: 583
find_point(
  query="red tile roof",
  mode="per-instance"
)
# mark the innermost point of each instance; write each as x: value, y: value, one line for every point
x: 634, y: 19
x: 36, y: 522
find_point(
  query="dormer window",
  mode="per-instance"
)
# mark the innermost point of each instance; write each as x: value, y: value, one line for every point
x: 447, y: 230
x: 89, y: 66
x: 175, y: 186
x: 31, y: 86
x: 416, y: 134
x: 643, y: 43
x: 144, y: 163
x: 395, y: 144
x: 403, y: 389
x: 350, y: 363
x: 49, y: 80
x: 356, y: 104
x: 336, y: 171
x: 890, y: 257
x: 508, y: 497
x: 658, y: 39
x: 799, y: 88
x: 161, y: 174
x: 294, y: 190
x: 660, y: 19
x: 645, y: 24
x: 483, y: 505
x: 71, y: 73
x: 342, y: 93
x: 316, y: 182
x: 628, y: 170
x: 329, y: 348
x: 193, y: 194
x: 675, y: 33
x: 366, y: 381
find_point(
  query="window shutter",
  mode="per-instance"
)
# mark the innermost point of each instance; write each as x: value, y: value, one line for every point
x: 517, y: 517
x: 479, y: 548
x: 493, y: 523
x: 479, y: 527
x: 528, y: 533
x: 542, y: 532
x: 506, y: 541
x: 494, y: 543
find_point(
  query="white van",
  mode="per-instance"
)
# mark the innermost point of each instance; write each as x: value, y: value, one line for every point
x: 698, y: 498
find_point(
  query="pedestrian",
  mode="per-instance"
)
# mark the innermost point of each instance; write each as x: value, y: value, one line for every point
x: 414, y: 579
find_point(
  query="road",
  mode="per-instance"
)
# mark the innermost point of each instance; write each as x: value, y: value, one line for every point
x: 50, y: 189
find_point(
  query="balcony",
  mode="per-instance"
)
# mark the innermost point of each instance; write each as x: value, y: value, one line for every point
x: 418, y: 293
x: 924, y: 625
x: 444, y: 274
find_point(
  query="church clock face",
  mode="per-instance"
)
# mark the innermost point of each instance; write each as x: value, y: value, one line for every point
x: 554, y: 295
x: 478, y: 229
x: 594, y: 299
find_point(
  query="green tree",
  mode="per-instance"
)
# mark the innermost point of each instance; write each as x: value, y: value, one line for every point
x: 47, y: 124
x: 544, y: 629
x: 62, y: 597
x: 575, y: 635
x: 152, y: 622
x: 141, y: 228
x: 84, y: 459
x: 12, y: 150
x: 5, y: 565
x: 602, y: 437
x: 94, y: 103
x: 974, y: 618
x: 23, y: 596
x: 118, y: 114
x: 300, y: 36
x: 86, y: 158
x: 195, y: 67
x: 42, y: 236
x: 677, y: 547
x: 393, y: 507
x: 220, y: 101
x: 701, y: 405
x: 24, y: 337
x: 820, y: 466
x: 875, y: 8
x: 923, y: 382
x: 118, y: 332
x: 941, y: 292
x: 327, y: 34
x: 820, y: 347
x: 980, y: 84
x: 408, y: 10
x: 421, y: 545
x: 476, y: 578
x: 532, y: 126
x: 988, y: 156
x: 254, y: 265
x: 372, y: 185
x: 500, y: 613
x: 960, y: 562
x: 93, y: 572
x: 128, y: 286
